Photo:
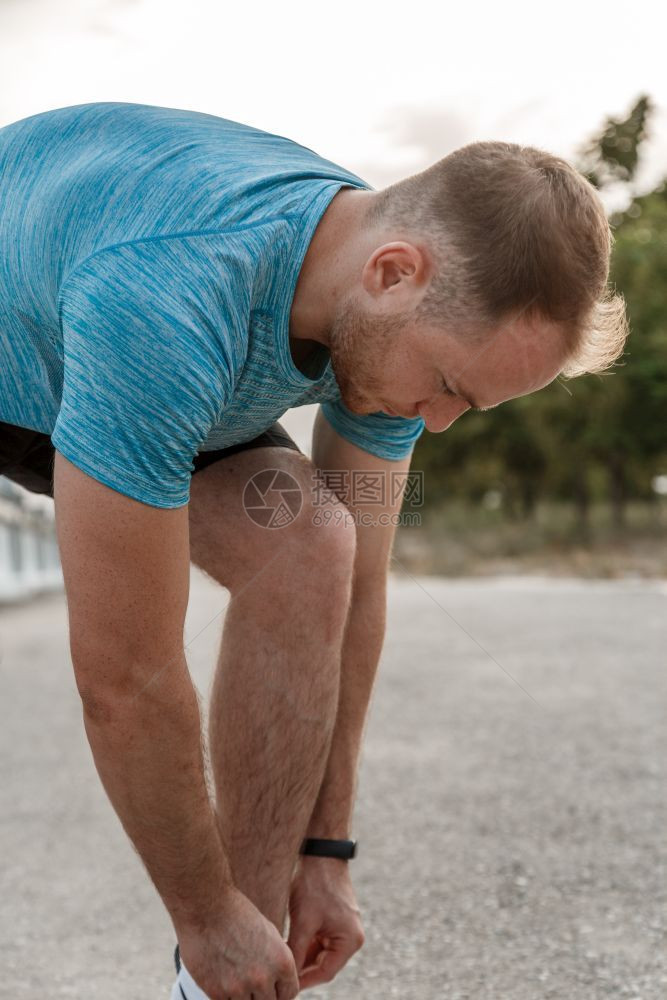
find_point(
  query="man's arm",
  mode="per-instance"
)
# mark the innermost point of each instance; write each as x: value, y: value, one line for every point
x: 332, y: 815
x: 325, y: 924
x: 126, y: 568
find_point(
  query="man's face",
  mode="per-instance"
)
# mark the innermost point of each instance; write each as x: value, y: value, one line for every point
x: 387, y: 362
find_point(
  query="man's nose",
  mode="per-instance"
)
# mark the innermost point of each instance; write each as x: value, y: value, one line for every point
x: 439, y: 414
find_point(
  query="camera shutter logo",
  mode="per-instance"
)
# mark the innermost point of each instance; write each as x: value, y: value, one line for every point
x: 272, y: 498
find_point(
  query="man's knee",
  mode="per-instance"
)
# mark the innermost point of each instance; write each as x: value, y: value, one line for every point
x: 328, y: 530
x: 319, y: 545
x: 233, y: 540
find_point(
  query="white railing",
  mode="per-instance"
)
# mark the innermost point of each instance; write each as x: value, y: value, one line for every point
x: 29, y: 559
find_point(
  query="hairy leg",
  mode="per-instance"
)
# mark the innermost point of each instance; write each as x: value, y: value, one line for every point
x: 275, y: 692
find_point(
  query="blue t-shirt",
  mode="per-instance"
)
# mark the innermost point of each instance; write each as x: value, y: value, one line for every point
x: 148, y: 262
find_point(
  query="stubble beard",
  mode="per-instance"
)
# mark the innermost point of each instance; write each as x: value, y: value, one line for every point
x: 359, y: 345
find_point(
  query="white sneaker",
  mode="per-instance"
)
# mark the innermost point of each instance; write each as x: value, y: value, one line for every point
x: 185, y: 988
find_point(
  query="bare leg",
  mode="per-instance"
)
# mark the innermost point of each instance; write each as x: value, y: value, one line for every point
x: 273, y: 709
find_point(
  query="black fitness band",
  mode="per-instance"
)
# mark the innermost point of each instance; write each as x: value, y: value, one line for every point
x: 344, y: 850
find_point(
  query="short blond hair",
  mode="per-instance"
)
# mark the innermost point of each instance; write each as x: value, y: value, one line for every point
x: 514, y: 231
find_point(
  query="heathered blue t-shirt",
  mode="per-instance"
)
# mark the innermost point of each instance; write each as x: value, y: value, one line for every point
x: 148, y: 262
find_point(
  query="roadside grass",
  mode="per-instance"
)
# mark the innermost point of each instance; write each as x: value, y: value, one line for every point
x: 459, y: 539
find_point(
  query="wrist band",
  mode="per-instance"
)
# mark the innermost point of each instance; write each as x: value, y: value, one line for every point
x: 344, y: 850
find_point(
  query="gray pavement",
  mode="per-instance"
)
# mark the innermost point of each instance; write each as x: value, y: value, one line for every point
x: 511, y: 812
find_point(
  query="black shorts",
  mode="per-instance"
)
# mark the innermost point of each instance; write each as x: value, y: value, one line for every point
x: 27, y: 456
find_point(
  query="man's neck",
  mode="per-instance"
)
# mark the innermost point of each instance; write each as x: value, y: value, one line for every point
x: 328, y: 269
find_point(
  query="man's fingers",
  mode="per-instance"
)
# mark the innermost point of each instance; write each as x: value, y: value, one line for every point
x: 300, y: 944
x: 287, y: 990
x: 328, y: 965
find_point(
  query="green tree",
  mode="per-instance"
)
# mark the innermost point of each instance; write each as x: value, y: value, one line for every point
x: 612, y: 155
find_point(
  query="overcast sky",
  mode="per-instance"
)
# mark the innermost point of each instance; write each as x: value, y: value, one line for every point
x: 383, y: 88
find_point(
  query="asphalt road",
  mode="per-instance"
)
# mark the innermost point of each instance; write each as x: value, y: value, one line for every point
x: 512, y: 813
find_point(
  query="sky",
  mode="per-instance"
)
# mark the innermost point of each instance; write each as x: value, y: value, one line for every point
x: 383, y: 88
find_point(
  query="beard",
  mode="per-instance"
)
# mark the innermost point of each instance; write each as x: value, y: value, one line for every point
x: 359, y: 345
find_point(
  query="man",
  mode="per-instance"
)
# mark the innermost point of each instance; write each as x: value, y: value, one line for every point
x: 170, y: 283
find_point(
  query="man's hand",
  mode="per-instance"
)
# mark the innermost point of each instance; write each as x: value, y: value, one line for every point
x: 243, y: 957
x: 325, y: 921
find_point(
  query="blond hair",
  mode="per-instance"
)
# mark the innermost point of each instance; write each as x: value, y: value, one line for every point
x: 514, y: 231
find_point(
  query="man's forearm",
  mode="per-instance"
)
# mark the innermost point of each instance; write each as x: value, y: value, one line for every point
x: 148, y: 753
x: 332, y: 815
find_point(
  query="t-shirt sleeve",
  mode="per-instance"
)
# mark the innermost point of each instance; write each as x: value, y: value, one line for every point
x: 148, y: 368
x: 378, y: 433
